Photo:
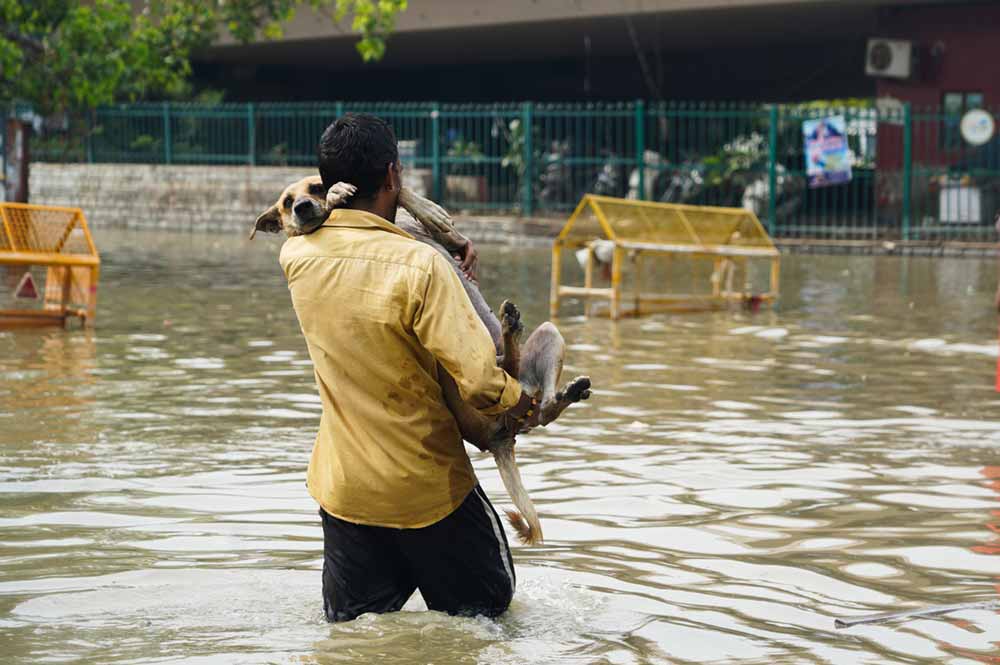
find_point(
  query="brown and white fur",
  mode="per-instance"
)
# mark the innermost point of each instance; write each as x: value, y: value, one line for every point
x: 303, y: 207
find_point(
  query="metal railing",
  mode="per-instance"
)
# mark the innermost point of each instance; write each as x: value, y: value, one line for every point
x: 913, y: 177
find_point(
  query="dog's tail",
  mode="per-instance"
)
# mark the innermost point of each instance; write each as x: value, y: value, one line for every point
x: 524, y: 531
x: 525, y: 522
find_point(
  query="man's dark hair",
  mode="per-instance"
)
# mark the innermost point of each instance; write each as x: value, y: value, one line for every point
x: 357, y: 149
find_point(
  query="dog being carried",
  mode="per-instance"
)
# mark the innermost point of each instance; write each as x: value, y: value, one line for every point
x: 303, y: 207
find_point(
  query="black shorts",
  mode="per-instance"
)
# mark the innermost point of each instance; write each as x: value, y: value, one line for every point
x: 461, y: 564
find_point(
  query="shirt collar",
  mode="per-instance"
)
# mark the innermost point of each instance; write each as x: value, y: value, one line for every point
x: 361, y: 219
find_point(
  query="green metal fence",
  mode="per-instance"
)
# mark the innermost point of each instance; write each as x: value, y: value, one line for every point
x: 913, y: 177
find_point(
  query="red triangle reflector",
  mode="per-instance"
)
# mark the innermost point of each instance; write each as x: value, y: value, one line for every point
x: 26, y: 288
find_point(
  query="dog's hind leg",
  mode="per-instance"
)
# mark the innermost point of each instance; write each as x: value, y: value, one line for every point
x: 542, y: 362
x: 541, y: 369
x: 511, y: 328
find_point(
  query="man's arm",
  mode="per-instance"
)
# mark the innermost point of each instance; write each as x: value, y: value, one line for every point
x: 447, y: 325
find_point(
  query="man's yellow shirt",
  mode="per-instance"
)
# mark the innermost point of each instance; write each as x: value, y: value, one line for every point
x: 379, y: 310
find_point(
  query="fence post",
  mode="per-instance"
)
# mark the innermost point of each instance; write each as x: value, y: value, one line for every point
x: 338, y: 110
x: 772, y: 172
x: 640, y: 146
x: 168, y: 156
x: 436, y: 174
x: 907, y: 167
x: 528, y: 157
x: 251, y: 135
x: 90, y: 136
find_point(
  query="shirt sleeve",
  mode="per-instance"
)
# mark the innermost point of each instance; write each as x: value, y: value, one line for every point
x: 447, y: 325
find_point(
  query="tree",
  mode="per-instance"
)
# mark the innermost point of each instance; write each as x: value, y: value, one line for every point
x: 70, y: 55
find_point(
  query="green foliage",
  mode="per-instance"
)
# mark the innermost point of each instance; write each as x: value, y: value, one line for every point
x: 516, y: 137
x: 827, y: 104
x: 465, y: 149
x: 735, y: 159
x: 373, y: 19
x: 146, y: 143
x: 467, y: 155
x: 69, y: 55
x: 514, y: 157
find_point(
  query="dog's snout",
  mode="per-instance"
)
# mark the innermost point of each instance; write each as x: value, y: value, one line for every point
x: 302, y: 207
x: 307, y: 215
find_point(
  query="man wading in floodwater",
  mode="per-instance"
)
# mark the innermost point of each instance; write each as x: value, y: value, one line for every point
x: 400, y: 504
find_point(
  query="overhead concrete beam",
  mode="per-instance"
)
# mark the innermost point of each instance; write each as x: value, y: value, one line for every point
x: 432, y: 15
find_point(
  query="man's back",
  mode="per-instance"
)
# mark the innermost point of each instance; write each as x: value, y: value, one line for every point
x: 388, y: 452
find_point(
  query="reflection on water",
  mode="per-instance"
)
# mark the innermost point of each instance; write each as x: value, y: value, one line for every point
x: 736, y: 482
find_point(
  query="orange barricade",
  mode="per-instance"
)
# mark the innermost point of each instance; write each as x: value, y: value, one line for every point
x: 675, y: 257
x: 49, y: 266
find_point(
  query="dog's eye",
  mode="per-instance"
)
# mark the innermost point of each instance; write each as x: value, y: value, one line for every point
x: 287, y: 202
x: 316, y: 190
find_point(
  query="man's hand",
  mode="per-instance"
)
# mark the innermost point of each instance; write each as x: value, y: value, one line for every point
x: 523, y: 416
x: 468, y: 259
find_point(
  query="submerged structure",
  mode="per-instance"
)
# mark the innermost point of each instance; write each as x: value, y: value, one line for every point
x: 49, y: 266
x: 639, y: 257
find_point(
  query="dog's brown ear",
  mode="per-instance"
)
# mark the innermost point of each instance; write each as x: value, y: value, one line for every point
x: 269, y: 222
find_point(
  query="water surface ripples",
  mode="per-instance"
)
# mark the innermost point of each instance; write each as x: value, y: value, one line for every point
x: 736, y: 482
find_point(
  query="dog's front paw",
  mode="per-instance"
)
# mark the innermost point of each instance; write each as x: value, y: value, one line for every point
x: 339, y: 193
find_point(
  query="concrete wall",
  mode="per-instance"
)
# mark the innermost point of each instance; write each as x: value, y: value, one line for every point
x: 146, y: 196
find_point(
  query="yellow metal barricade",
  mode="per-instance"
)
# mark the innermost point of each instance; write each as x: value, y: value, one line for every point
x: 706, y: 257
x: 49, y: 266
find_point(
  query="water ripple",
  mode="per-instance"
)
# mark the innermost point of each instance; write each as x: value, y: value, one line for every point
x: 735, y: 483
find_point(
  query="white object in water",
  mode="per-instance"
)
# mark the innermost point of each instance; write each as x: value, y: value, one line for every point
x: 603, y: 250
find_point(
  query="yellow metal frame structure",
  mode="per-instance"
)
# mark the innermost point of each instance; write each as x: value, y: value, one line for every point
x: 58, y: 239
x: 729, y: 237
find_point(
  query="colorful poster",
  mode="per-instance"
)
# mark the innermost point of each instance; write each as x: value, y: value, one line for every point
x: 828, y: 160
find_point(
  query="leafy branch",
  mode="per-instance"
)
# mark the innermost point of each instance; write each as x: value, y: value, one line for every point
x: 68, y: 55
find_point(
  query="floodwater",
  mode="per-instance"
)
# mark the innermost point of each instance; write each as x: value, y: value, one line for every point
x: 736, y: 482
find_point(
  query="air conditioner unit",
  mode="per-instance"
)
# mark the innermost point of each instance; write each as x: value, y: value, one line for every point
x: 890, y: 58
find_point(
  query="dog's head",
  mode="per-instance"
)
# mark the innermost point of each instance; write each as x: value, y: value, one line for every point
x: 300, y: 209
